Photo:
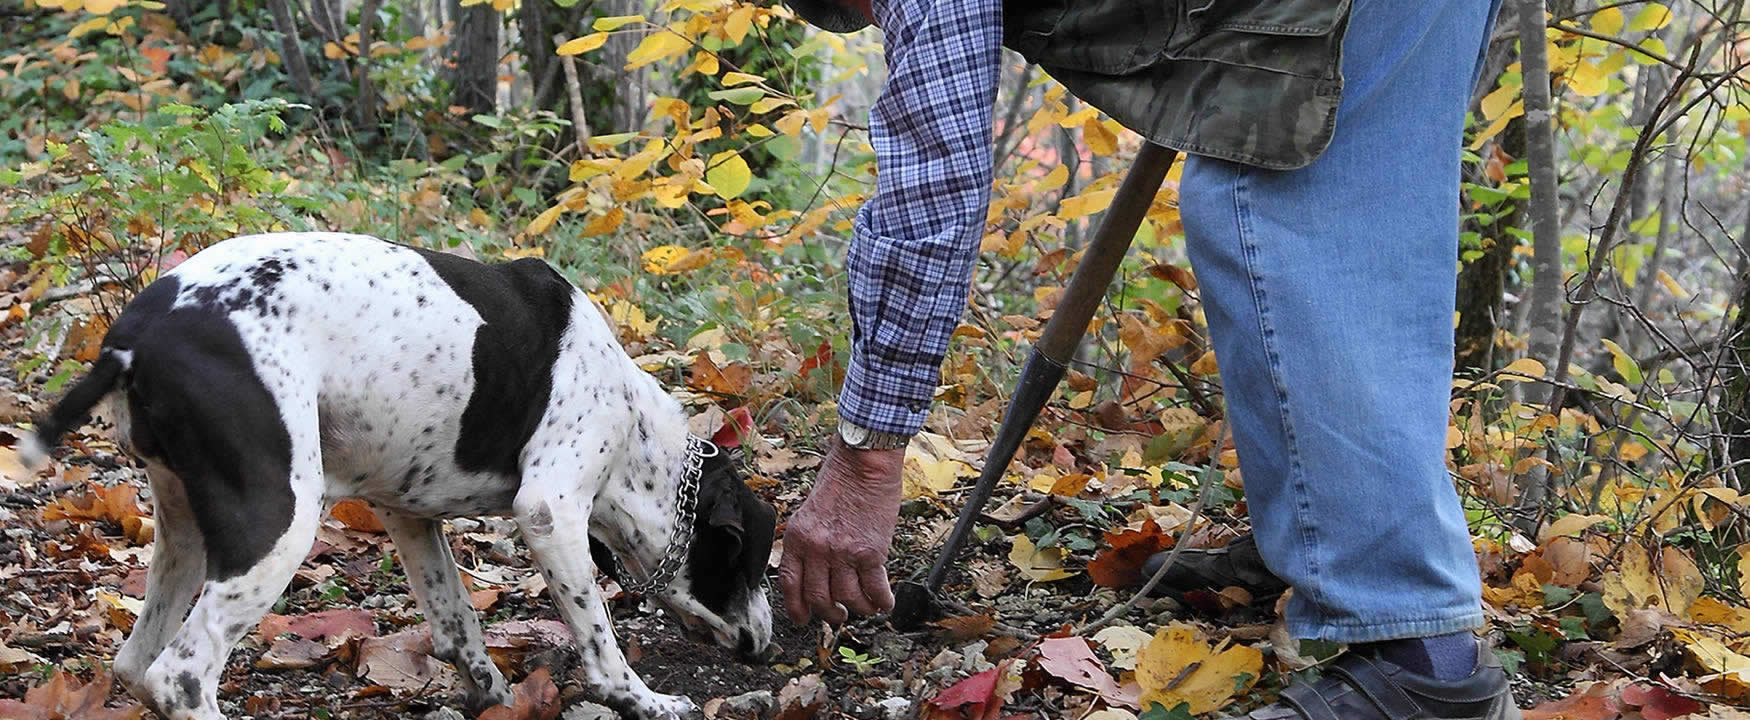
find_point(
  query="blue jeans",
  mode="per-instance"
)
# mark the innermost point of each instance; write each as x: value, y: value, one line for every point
x: 1330, y: 297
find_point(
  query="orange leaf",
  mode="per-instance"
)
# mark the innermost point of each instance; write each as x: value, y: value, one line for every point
x: 732, y: 379
x: 357, y: 515
x: 535, y: 698
x: 64, y: 698
x: 1121, y: 564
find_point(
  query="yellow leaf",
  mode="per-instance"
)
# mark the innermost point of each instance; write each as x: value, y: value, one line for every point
x: 615, y: 22
x: 791, y: 123
x: 926, y: 476
x: 1085, y: 204
x: 1589, y: 79
x: 1671, y: 285
x: 103, y: 7
x: 758, y: 130
x: 728, y: 174
x: 1651, y: 45
x: 1607, y: 21
x: 1206, y: 364
x: 631, y: 319
x: 1744, y: 569
x: 578, y: 46
x: 768, y: 104
x: 605, y: 223
x: 1651, y: 17
x: 1038, y: 565
x: 1179, y: 667
x: 332, y: 51
x: 732, y: 79
x: 543, y: 221
x: 1078, y: 117
x: 1054, y: 179
x: 517, y: 253
x: 1569, y: 526
x: 1497, y: 102
x: 90, y: 25
x: 1523, y: 369
x: 660, y: 46
x: 662, y: 259
x: 1672, y: 584
x: 739, y: 22
x: 1517, y: 109
x: 1099, y: 139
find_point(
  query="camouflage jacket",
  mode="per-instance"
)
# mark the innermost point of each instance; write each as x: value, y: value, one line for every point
x: 1252, y: 81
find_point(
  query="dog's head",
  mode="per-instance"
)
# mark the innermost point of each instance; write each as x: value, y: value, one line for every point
x: 720, y: 594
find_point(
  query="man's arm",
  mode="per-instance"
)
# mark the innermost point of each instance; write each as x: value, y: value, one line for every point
x: 910, y: 263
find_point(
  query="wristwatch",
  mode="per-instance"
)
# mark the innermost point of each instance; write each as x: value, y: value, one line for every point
x: 862, y: 438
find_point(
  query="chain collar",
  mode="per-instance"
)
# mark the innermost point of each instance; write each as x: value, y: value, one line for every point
x: 685, y: 505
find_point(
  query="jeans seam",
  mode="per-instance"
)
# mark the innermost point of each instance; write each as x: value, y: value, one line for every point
x: 1260, y: 300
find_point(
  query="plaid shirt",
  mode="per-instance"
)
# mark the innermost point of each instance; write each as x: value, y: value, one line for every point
x: 915, y: 242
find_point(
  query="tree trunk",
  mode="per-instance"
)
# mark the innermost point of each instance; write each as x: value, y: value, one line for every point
x: 1545, y: 331
x: 367, y: 97
x: 474, y: 79
x: 1482, y: 280
x: 292, y: 50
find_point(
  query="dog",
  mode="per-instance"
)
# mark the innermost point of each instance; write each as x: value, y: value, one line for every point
x: 269, y: 375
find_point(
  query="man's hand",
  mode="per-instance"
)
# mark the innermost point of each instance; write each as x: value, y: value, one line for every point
x: 836, y: 544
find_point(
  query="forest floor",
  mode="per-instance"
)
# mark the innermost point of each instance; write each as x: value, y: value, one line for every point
x: 347, y: 641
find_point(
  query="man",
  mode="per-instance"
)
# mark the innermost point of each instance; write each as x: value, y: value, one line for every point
x: 1329, y: 288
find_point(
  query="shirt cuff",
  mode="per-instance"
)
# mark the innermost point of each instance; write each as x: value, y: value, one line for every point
x: 863, y: 402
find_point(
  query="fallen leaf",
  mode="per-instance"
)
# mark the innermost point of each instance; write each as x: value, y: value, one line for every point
x: 802, y: 698
x: 1070, y: 659
x: 292, y: 654
x: 332, y: 626
x: 403, y: 661
x: 1672, y: 582
x: 1120, y: 564
x: 64, y: 698
x: 1657, y: 702
x: 925, y: 476
x: 1180, y: 667
x: 1038, y: 565
x: 1591, y: 702
x: 732, y: 379
x: 357, y: 515
x: 965, y: 628
x: 12, y: 658
x: 1123, y: 642
x: 535, y: 698
x: 1569, y: 526
x: 109, y: 504
x: 981, y: 696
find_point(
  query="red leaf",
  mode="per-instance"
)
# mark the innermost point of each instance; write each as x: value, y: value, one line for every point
x: 1121, y: 564
x: 737, y: 424
x: 976, y: 690
x: 1590, y: 703
x: 1070, y: 658
x: 1658, y: 703
x: 822, y: 357
x: 329, y: 625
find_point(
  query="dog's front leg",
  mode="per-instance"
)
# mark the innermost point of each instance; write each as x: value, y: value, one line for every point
x: 555, y: 524
x: 455, y: 629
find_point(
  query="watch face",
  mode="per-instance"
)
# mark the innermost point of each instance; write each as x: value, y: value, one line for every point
x: 853, y: 435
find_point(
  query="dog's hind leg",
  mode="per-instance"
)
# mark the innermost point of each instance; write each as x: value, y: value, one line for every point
x: 555, y: 524
x: 455, y: 629
x: 174, y: 576
x: 248, y: 566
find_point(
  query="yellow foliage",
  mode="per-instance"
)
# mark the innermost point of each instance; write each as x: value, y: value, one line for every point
x: 1038, y: 565
x: 1178, y: 666
x: 583, y: 44
x: 656, y: 47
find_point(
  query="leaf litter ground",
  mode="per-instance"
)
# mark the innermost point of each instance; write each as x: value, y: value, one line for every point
x: 346, y: 641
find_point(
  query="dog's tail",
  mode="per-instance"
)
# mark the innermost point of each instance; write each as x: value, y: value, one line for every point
x: 75, y: 406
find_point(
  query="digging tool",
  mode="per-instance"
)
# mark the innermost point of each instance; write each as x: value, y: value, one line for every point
x: 916, y: 603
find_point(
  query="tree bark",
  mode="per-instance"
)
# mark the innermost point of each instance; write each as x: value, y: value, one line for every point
x: 474, y: 79
x: 291, y: 50
x: 1482, y: 281
x: 367, y: 97
x: 1545, y: 326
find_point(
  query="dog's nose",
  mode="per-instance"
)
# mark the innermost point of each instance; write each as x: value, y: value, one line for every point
x: 750, y: 652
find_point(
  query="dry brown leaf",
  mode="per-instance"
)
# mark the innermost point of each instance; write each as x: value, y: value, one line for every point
x: 63, y: 697
x: 1120, y: 564
x: 535, y: 698
x: 963, y: 628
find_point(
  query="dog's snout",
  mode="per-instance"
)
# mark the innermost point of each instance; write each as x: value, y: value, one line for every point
x: 751, y: 650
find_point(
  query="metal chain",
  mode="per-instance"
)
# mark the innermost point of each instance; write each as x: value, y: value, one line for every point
x: 685, y: 505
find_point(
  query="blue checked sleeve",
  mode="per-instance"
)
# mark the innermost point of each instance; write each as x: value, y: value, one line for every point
x: 916, y: 241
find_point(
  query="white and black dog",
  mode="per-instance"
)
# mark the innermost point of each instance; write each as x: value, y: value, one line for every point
x: 272, y: 374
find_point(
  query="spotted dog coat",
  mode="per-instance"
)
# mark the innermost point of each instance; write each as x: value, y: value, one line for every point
x: 270, y: 374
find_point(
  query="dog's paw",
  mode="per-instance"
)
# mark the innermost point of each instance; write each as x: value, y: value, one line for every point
x: 670, y: 707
